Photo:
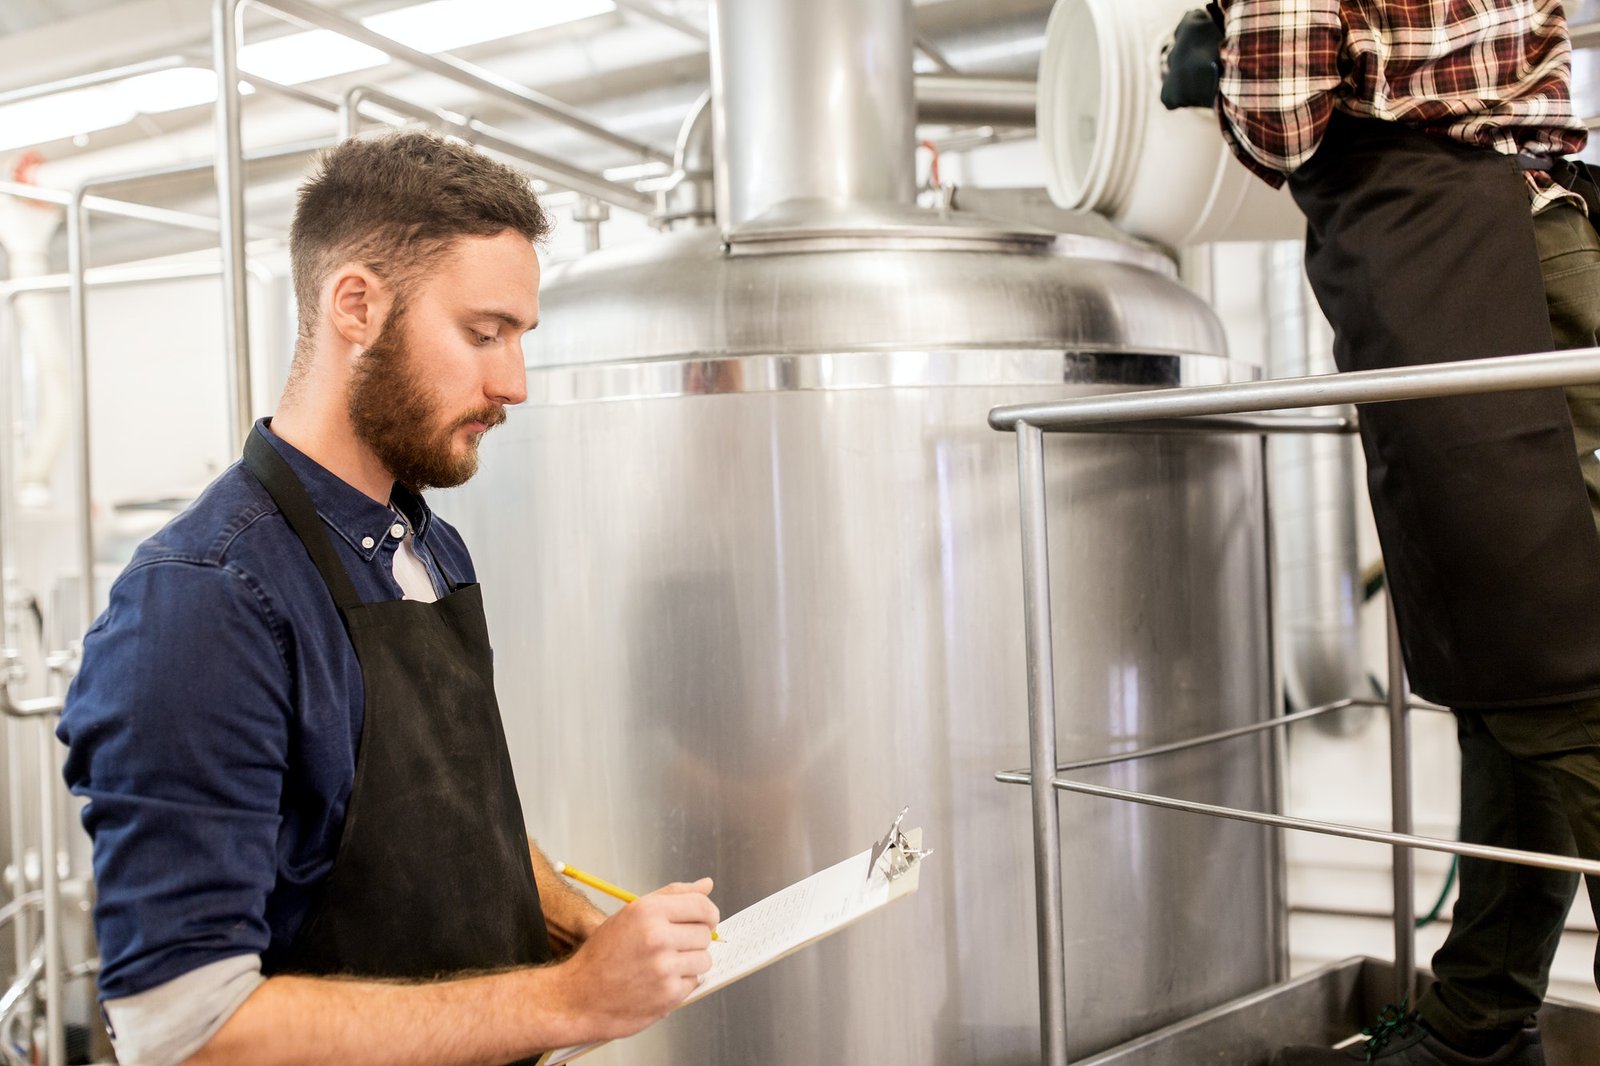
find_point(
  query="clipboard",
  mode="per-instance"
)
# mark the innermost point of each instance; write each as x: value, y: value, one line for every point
x: 796, y: 917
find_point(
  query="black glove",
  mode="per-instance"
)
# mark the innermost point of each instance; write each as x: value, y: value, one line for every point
x: 1194, y: 62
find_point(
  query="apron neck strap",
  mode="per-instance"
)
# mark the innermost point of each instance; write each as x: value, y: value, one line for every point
x: 263, y: 460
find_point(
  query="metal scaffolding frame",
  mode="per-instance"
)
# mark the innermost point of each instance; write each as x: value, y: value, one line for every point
x: 1241, y: 408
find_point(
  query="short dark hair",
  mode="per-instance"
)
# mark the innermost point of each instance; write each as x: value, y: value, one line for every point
x: 395, y: 203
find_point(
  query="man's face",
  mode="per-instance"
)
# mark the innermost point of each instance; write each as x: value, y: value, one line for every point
x: 448, y: 361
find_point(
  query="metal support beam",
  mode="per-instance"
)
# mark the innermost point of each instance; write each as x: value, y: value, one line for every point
x: 310, y: 15
x: 1579, y: 366
x: 1405, y: 903
x: 547, y: 168
x: 1042, y: 746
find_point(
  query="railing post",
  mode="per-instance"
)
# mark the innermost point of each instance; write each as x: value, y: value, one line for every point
x: 1042, y: 746
x: 1405, y: 906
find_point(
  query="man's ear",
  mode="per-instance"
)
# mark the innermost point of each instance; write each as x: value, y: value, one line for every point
x: 358, y: 303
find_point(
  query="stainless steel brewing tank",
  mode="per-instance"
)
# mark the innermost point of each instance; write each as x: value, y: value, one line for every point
x: 752, y: 565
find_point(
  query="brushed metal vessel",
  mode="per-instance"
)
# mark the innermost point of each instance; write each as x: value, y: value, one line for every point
x: 752, y: 564
x: 755, y: 586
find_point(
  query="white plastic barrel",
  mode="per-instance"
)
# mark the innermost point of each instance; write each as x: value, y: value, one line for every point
x: 1111, y: 147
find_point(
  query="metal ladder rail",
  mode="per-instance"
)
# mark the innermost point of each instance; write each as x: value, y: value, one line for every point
x: 1235, y: 408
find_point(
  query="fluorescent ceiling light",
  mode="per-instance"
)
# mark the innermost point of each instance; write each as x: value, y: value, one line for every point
x: 437, y: 26
x: 80, y: 111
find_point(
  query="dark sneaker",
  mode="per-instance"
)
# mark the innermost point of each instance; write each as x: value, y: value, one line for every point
x: 1403, y: 1041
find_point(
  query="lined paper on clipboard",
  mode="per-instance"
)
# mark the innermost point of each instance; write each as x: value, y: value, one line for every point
x: 788, y: 920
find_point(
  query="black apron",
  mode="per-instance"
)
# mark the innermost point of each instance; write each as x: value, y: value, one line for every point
x: 432, y: 875
x: 1421, y: 250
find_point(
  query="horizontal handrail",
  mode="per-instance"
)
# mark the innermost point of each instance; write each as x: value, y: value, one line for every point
x: 1336, y: 829
x: 1506, y: 373
x: 1225, y: 734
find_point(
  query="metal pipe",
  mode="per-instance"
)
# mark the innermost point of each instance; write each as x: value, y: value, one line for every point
x: 1333, y: 829
x: 1275, y: 750
x: 1405, y: 904
x: 540, y: 165
x: 1264, y: 424
x: 119, y: 208
x: 55, y: 1024
x: 126, y: 274
x: 229, y: 170
x: 78, y: 326
x: 1042, y: 747
x: 646, y: 9
x: 1172, y: 747
x: 849, y: 88
x: 98, y: 77
x: 968, y: 100
x: 445, y: 66
x: 1502, y: 373
x: 934, y: 54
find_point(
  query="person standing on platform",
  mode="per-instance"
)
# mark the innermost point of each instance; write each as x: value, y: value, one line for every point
x: 1424, y: 140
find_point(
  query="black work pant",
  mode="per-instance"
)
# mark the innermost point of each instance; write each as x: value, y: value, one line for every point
x: 1530, y: 776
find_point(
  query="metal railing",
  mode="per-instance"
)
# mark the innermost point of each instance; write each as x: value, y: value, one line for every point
x: 1240, y: 408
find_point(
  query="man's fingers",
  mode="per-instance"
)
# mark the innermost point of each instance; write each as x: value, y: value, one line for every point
x: 702, y: 886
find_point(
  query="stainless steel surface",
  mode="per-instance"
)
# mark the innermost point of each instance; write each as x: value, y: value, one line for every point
x: 690, y: 199
x: 1275, y: 756
x: 685, y: 296
x: 1326, y: 1006
x: 1220, y: 735
x: 121, y: 208
x: 1314, y: 492
x: 750, y: 558
x: 968, y: 100
x: 1349, y: 832
x: 590, y: 213
x: 1579, y: 366
x: 1405, y: 903
x: 536, y: 163
x: 226, y: 23
x: 55, y: 1022
x: 78, y: 347
x: 759, y: 623
x: 483, y: 81
x: 1032, y: 513
x: 751, y: 561
x: 834, y: 120
x: 934, y: 54
x: 804, y: 372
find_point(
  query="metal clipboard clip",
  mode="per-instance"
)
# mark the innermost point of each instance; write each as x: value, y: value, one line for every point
x: 895, y: 854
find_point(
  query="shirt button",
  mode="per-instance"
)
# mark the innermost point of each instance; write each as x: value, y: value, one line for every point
x: 367, y: 542
x: 397, y: 530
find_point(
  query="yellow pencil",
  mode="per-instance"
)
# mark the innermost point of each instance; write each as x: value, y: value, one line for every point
x: 601, y: 886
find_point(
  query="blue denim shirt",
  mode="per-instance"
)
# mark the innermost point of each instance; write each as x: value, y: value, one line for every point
x: 214, y: 724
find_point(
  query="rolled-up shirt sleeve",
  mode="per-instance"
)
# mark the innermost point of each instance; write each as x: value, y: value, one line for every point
x: 178, y: 729
x: 1280, y: 69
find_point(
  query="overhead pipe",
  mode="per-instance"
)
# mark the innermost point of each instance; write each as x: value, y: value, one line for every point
x: 966, y: 99
x: 545, y: 167
x: 775, y: 106
x: 314, y: 16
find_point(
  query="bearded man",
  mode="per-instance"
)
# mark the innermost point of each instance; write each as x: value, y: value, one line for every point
x: 308, y: 843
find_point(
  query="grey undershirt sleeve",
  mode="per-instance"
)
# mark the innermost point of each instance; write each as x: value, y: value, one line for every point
x: 166, y: 1024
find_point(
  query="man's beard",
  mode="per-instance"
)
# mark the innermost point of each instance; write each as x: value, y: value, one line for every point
x: 394, y: 411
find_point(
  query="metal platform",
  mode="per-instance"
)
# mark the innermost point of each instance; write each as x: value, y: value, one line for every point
x: 1326, y: 1006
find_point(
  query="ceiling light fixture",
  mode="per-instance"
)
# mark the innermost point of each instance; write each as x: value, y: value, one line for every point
x: 435, y: 26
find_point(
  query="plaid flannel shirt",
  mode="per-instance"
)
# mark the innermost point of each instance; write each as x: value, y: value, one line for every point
x: 1495, y: 73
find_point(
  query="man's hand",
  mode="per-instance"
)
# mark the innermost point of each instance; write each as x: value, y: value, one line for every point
x: 1194, y: 62
x: 643, y: 961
